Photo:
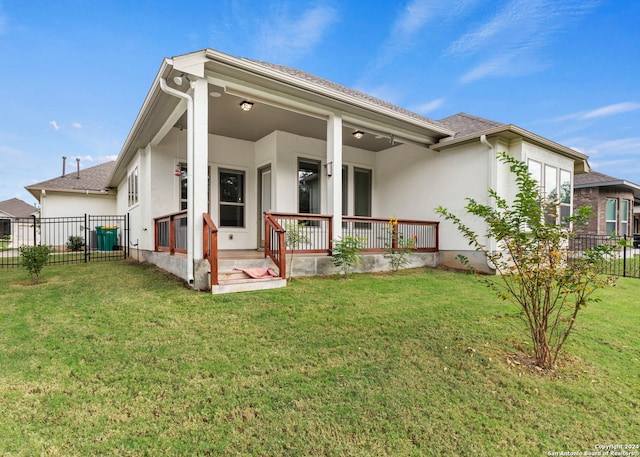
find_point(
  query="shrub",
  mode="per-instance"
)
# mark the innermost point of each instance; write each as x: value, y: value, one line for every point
x: 34, y: 259
x: 295, y: 236
x: 398, y: 249
x: 75, y: 243
x: 534, y: 267
x: 346, y: 252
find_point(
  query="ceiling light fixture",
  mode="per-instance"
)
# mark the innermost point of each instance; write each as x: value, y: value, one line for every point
x: 178, y: 79
x: 358, y: 134
x: 246, y: 106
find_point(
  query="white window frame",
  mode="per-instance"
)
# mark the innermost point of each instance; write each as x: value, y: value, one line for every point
x: 542, y: 172
x: 241, y: 204
x: 624, y: 217
x: 132, y: 186
x: 609, y: 221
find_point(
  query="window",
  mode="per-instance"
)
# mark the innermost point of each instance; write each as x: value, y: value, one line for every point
x: 624, y: 218
x: 308, y: 186
x: 565, y: 195
x: 555, y: 186
x: 5, y: 227
x: 611, y: 225
x: 232, y: 199
x: 133, y: 187
x: 345, y: 190
x: 181, y: 172
x: 535, y: 170
x: 361, y: 192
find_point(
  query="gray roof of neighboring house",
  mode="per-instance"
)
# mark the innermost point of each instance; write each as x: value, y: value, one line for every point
x: 17, y: 208
x: 467, y: 124
x: 596, y: 179
x: 89, y: 179
x: 303, y: 75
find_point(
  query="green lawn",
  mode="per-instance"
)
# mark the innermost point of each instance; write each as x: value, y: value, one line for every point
x: 121, y: 359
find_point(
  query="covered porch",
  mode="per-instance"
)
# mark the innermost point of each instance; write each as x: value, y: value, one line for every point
x: 312, y: 256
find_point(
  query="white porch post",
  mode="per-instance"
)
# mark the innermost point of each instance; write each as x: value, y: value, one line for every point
x: 198, y: 200
x: 334, y: 165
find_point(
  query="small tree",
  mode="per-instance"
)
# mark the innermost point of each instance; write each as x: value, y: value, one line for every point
x: 346, y: 252
x: 295, y: 236
x: 535, y: 269
x: 398, y: 248
x: 34, y: 259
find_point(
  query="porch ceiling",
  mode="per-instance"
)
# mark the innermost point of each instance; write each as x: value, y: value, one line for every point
x: 227, y: 119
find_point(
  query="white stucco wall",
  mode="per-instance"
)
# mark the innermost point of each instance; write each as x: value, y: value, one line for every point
x: 67, y: 204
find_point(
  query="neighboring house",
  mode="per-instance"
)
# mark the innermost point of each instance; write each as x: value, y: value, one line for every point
x: 234, y: 138
x: 615, y: 203
x: 77, y: 193
x: 16, y: 218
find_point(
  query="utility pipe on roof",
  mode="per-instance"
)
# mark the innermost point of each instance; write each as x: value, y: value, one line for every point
x: 190, y: 158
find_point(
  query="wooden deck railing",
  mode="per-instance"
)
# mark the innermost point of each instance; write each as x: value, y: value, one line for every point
x: 379, y: 233
x: 274, y: 244
x: 315, y: 229
x: 210, y: 246
x: 170, y: 233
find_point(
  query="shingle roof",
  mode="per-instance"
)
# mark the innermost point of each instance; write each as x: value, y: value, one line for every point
x: 17, y: 208
x: 92, y: 178
x: 342, y: 89
x: 595, y: 178
x: 467, y: 124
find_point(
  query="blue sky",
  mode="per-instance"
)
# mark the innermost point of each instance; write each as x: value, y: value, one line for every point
x: 76, y: 72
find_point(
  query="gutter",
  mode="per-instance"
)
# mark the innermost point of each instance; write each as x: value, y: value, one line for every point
x: 190, y: 160
x: 491, y: 184
x: 312, y: 87
x: 580, y: 160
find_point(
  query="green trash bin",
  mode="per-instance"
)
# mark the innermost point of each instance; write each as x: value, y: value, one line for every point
x: 107, y: 237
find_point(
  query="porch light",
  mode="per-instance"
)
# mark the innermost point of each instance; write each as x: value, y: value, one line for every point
x: 329, y: 167
x: 178, y: 79
x: 358, y: 134
x: 246, y: 106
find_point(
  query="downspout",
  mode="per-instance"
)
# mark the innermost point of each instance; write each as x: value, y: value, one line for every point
x: 190, y: 158
x: 491, y: 181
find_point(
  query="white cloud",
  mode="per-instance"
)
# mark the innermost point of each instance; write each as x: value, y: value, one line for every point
x: 518, y: 30
x: 98, y: 160
x: 428, y: 107
x: 55, y: 125
x: 610, y: 110
x: 76, y: 125
x: 283, y: 37
x: 603, y: 111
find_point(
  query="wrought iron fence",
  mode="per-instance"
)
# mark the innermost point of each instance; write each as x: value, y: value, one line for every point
x: 72, y: 239
x: 626, y: 260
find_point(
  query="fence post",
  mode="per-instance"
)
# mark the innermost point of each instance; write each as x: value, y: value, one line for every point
x: 624, y: 257
x: 86, y: 238
x: 34, y: 229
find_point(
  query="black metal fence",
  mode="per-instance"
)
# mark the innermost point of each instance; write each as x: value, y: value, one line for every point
x: 626, y: 258
x: 85, y: 238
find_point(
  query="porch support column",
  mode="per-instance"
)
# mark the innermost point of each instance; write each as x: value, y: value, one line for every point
x: 334, y: 167
x: 198, y: 200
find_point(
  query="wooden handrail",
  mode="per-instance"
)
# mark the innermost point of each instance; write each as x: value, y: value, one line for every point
x: 210, y: 246
x: 276, y: 253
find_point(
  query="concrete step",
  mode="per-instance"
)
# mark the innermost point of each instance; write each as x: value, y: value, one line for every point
x: 245, y: 284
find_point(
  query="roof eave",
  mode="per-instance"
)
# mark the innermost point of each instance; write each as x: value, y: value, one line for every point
x: 309, y: 86
x: 580, y: 160
x: 126, y: 151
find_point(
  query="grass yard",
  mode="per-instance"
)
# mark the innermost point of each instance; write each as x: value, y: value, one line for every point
x: 121, y: 359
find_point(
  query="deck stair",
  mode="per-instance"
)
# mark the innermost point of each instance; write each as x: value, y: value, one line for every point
x: 232, y: 280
